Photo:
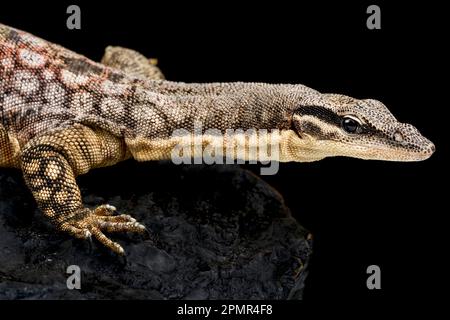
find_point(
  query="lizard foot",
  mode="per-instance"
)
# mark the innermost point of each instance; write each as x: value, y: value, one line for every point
x: 94, y: 222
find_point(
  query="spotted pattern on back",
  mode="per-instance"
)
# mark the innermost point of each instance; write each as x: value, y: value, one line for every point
x: 62, y: 114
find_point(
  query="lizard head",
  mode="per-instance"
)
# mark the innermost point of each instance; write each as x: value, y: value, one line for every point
x: 339, y: 125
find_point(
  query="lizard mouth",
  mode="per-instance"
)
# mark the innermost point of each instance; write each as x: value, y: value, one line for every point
x: 417, y: 155
x: 404, y: 152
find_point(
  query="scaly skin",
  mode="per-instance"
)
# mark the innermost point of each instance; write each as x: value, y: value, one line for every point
x: 62, y: 115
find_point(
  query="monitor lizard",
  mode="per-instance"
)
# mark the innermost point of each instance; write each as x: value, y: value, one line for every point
x: 63, y: 114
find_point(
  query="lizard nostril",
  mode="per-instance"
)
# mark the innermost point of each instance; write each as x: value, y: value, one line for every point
x: 432, y: 148
x: 398, y: 136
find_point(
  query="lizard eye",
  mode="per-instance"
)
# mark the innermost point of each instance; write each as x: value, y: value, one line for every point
x: 350, y: 124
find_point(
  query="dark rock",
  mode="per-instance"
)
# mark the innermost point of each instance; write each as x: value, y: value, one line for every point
x: 222, y: 233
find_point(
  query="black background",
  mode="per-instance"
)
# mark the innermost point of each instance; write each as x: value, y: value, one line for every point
x: 359, y: 212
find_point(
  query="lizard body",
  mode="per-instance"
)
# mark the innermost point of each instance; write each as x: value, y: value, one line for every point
x: 63, y: 114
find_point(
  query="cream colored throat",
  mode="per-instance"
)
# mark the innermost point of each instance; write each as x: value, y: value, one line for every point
x: 250, y: 145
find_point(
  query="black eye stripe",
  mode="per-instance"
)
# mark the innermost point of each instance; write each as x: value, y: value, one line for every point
x: 316, y: 131
x: 333, y: 118
x: 310, y: 127
x: 321, y: 113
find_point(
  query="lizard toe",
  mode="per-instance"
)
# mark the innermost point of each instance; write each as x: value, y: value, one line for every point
x: 129, y: 226
x: 114, y: 246
x: 104, y: 210
x: 76, y: 230
x: 119, y: 218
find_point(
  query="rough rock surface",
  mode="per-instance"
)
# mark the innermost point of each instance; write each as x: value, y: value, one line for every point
x: 222, y: 233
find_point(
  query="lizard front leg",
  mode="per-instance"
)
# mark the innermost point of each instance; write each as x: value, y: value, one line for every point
x: 50, y: 164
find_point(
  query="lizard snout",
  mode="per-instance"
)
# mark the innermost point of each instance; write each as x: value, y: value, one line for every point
x: 413, y: 141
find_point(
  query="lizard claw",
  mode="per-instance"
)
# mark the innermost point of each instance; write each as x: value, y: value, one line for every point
x: 90, y: 244
x: 147, y: 235
x: 123, y: 260
x: 94, y: 222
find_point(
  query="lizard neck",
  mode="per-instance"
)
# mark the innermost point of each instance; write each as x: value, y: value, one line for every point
x: 220, y: 106
x: 247, y: 121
